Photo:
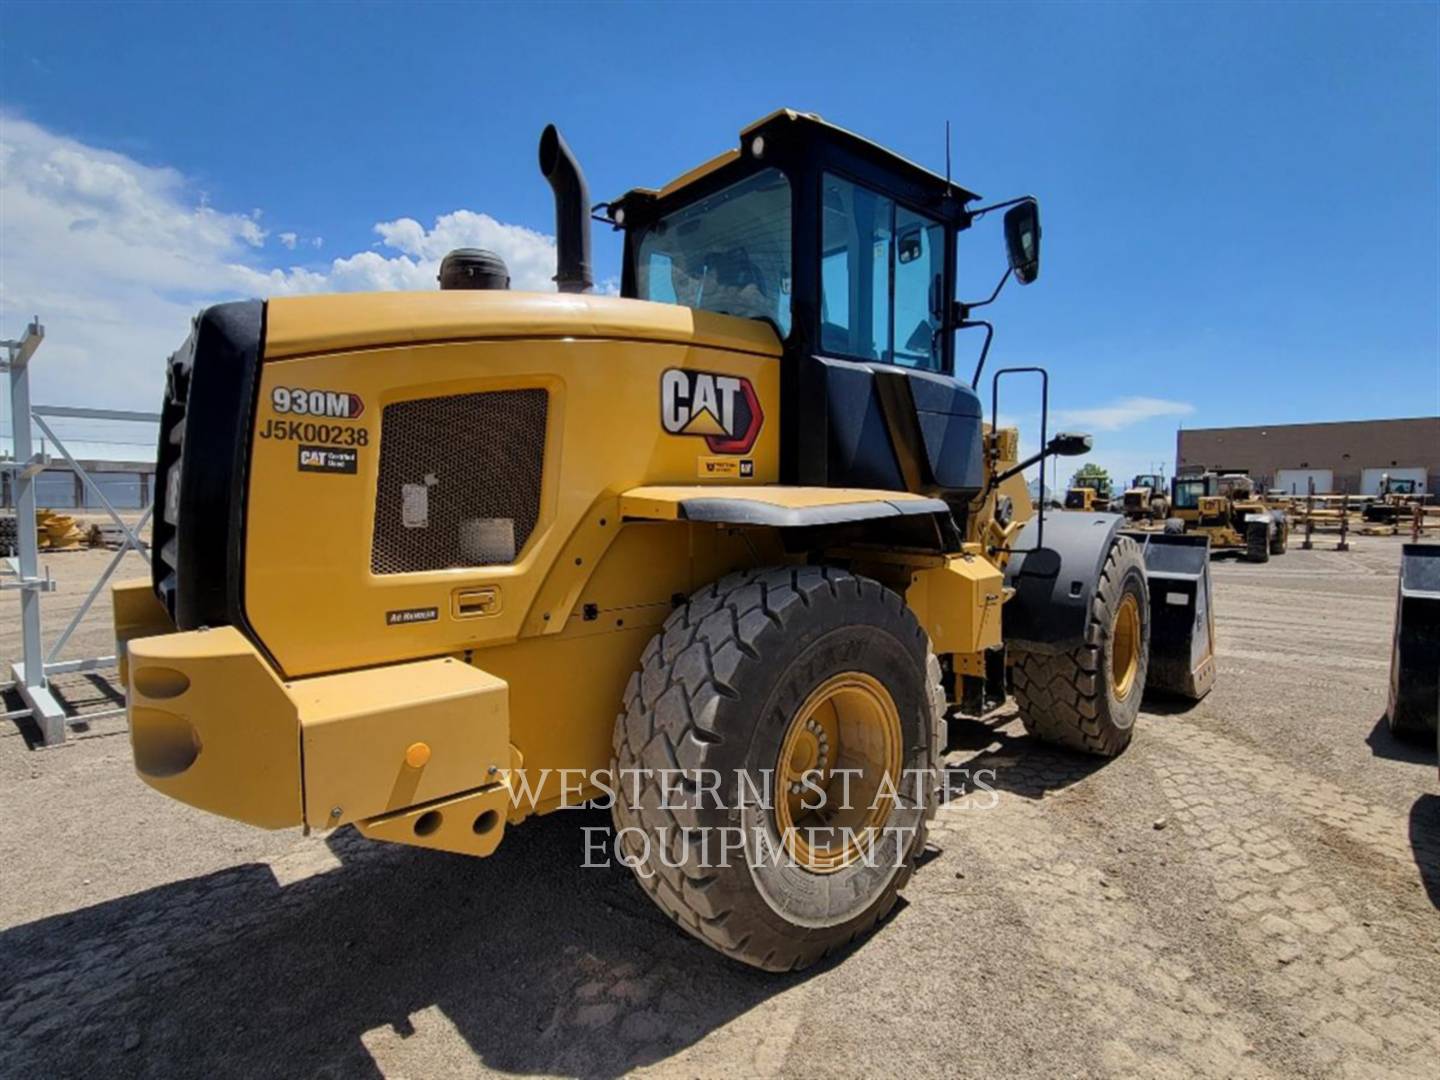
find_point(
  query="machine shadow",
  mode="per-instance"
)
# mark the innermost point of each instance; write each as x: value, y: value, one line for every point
x: 23, y: 726
x: 539, y: 964
x: 87, y: 692
x: 1425, y: 843
x: 1161, y: 703
x: 1385, y: 745
x: 1020, y: 764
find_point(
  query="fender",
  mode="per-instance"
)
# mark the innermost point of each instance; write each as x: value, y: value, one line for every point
x: 1055, y: 584
x: 775, y: 506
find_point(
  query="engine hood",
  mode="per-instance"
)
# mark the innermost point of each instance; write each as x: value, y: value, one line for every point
x: 309, y: 325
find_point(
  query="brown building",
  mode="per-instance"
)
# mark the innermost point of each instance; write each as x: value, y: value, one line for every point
x: 1344, y: 456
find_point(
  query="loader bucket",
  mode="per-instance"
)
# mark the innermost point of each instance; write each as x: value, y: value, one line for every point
x: 1414, y: 709
x: 1182, y: 620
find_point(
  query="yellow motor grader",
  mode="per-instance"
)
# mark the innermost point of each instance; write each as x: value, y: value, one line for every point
x: 1228, y: 509
x: 1394, y: 502
x: 723, y: 552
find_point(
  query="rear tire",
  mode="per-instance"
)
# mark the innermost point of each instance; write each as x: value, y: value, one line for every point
x: 1257, y: 541
x: 1088, y: 698
x: 730, y: 686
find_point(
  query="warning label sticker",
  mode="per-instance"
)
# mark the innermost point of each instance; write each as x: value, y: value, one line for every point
x: 329, y: 459
x: 727, y: 467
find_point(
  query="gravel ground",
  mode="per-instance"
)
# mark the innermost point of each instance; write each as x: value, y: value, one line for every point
x: 1251, y: 890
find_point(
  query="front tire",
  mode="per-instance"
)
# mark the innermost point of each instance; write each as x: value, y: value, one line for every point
x: 777, y: 679
x: 1281, y: 540
x: 1257, y: 541
x: 1088, y: 698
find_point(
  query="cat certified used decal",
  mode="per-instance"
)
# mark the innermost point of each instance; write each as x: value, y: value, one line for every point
x: 328, y: 459
x: 724, y: 410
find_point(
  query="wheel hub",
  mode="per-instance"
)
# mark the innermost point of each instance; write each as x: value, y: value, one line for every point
x: 1125, y: 647
x: 839, y: 770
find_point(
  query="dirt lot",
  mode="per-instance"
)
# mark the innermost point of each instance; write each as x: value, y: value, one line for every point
x: 1251, y: 890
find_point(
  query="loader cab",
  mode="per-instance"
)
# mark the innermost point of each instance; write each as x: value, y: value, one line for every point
x: 1204, y: 500
x: 1187, y: 491
x: 848, y: 252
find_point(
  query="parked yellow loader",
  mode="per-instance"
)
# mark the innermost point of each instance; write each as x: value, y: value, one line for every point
x: 1089, y: 494
x: 723, y: 550
x: 1147, y: 499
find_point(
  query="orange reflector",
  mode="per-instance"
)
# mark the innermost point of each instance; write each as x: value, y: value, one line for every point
x: 417, y: 755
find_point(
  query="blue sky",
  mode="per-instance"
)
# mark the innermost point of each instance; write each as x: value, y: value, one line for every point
x: 1239, y: 200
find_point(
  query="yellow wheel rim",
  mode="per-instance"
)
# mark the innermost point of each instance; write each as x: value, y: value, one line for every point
x: 838, y: 772
x: 1125, y: 647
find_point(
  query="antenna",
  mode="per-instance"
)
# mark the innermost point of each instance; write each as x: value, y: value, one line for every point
x: 947, y: 153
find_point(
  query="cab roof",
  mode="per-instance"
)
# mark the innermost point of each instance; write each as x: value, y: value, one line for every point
x: 790, y: 125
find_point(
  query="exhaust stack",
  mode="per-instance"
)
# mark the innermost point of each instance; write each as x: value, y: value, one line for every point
x: 572, y: 212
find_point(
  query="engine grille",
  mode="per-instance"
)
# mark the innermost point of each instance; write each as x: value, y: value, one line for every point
x: 459, y: 480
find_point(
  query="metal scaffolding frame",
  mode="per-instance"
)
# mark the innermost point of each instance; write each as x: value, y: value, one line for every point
x: 31, y: 675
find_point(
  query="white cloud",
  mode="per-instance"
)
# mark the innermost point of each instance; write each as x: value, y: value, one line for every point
x: 530, y: 255
x: 117, y: 256
x: 1123, y: 413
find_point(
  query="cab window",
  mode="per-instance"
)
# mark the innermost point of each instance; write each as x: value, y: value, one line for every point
x: 881, y: 278
x: 728, y: 253
x: 1187, y: 494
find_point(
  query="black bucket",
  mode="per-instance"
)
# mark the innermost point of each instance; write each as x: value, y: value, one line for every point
x: 1182, y: 618
x: 1414, y: 709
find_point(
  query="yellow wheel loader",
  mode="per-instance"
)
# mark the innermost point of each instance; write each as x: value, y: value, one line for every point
x: 722, y: 552
x: 1146, y: 500
x: 1088, y: 494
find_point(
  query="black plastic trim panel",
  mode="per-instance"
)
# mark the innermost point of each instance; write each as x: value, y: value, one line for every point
x: 1054, y: 584
x: 201, y: 467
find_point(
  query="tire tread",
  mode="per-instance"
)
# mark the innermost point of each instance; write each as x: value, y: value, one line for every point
x: 665, y: 704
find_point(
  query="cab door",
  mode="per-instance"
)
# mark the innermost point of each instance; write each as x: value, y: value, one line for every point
x: 877, y: 385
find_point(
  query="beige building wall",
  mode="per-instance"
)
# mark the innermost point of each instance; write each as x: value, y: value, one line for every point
x: 1346, y: 447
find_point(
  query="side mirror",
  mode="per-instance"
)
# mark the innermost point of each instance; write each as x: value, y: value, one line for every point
x: 1067, y: 444
x: 908, y: 246
x: 1022, y: 240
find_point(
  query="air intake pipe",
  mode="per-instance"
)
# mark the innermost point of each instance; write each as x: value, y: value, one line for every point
x: 572, y: 212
